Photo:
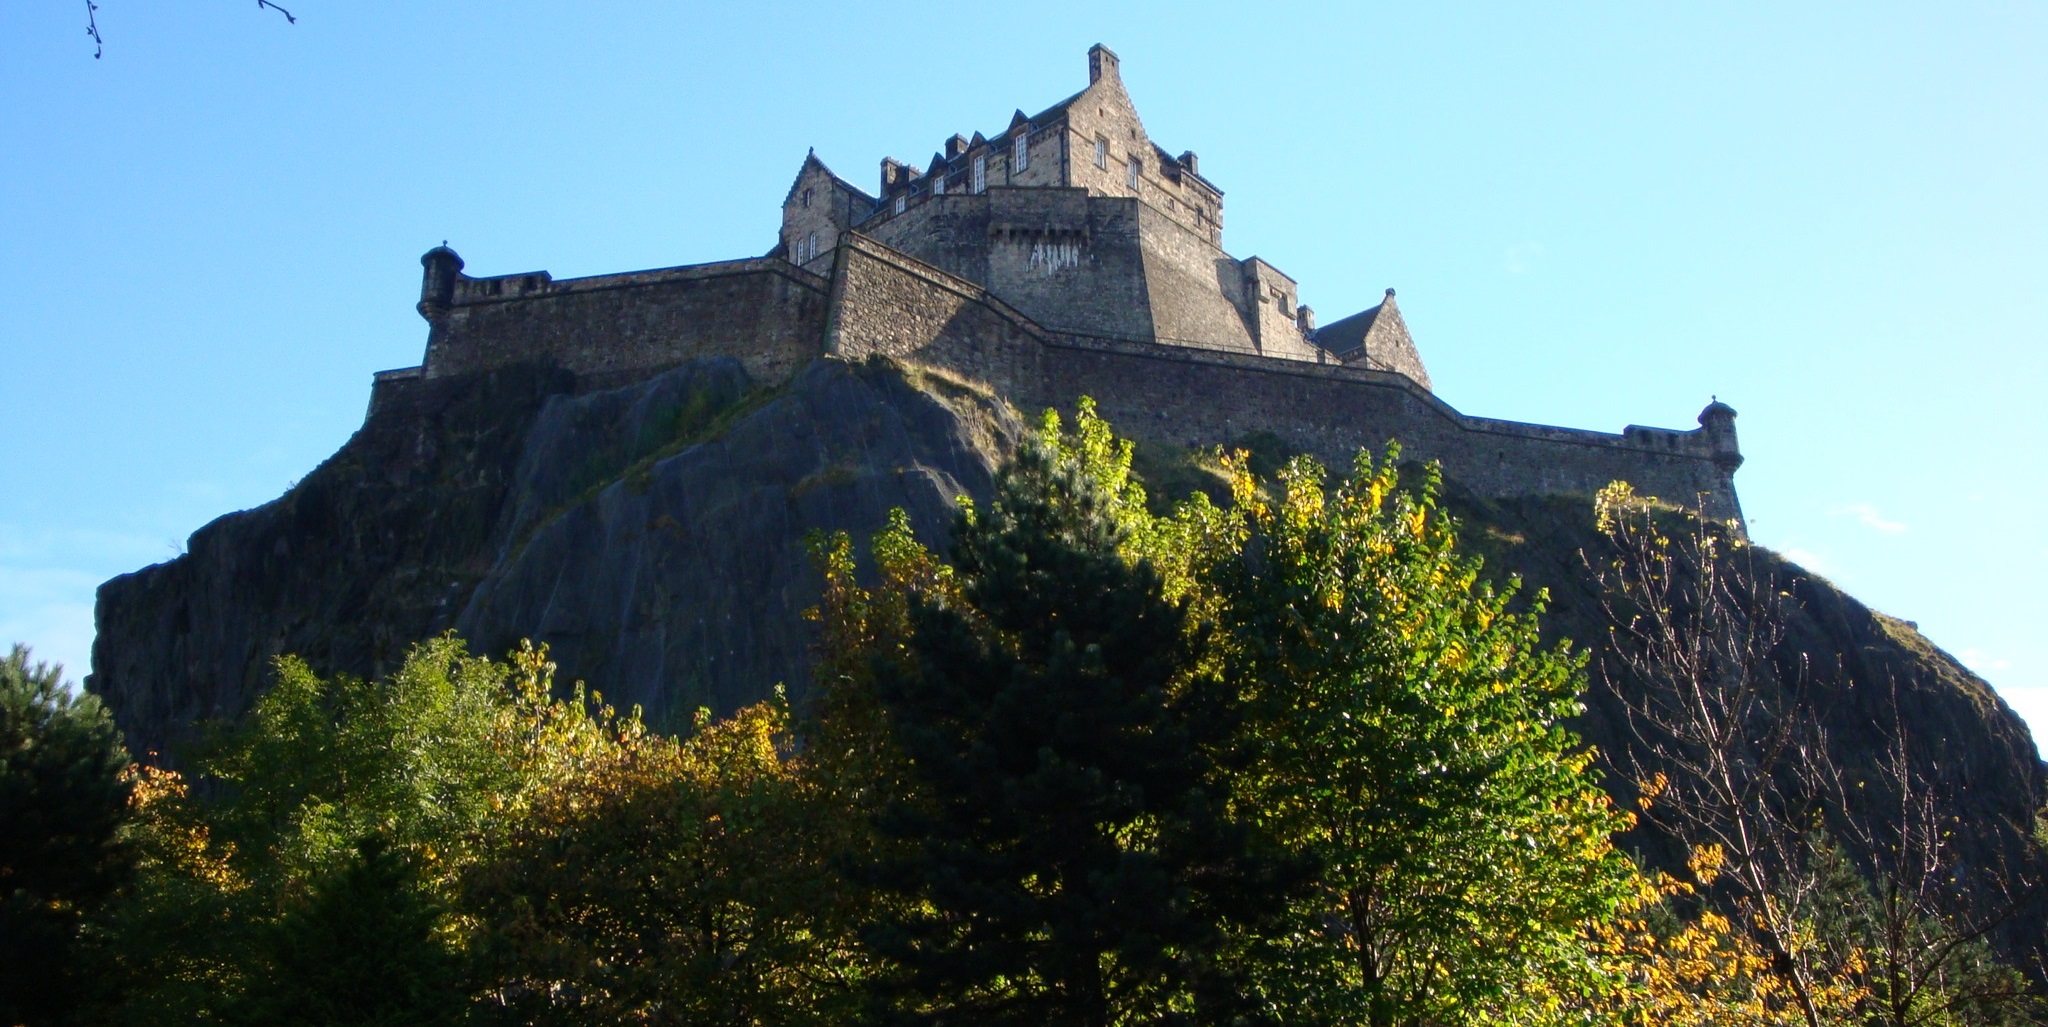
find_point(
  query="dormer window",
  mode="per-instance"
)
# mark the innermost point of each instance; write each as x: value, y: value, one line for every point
x: 980, y: 174
x: 1101, y: 152
x: 1131, y: 173
x: 939, y: 185
x: 1023, y: 159
x: 900, y: 200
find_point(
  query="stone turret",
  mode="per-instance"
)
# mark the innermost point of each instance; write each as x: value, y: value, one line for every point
x: 437, y: 282
x: 1719, y: 421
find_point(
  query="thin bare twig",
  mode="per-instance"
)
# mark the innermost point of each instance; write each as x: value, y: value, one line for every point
x: 260, y: 4
x: 92, y: 28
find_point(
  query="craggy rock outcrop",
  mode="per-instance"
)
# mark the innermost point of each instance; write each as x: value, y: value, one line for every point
x: 1865, y: 675
x: 652, y: 535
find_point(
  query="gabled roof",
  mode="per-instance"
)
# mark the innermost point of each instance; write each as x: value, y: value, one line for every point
x: 811, y: 160
x: 1058, y: 110
x: 1377, y: 338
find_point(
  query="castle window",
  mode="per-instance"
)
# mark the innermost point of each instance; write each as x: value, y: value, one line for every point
x: 1023, y: 151
x: 939, y: 184
x: 1131, y: 173
x: 1101, y: 152
x: 980, y: 174
x: 900, y: 200
x: 807, y: 199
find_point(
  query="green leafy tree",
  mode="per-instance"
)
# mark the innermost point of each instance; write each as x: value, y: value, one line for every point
x: 672, y: 882
x: 1407, y: 728
x: 362, y: 949
x: 434, y: 761
x: 63, y: 800
x: 1072, y: 856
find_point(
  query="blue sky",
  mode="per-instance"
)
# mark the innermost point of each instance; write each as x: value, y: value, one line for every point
x: 1832, y: 216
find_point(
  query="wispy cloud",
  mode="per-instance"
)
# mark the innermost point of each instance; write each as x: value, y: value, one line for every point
x: 1983, y: 662
x: 1520, y: 256
x: 1869, y: 517
x: 1811, y: 561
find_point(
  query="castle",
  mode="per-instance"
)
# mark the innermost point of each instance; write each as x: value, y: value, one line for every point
x: 1068, y: 255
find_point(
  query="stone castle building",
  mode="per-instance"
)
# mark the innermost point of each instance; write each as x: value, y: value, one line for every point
x: 1067, y: 255
x: 1081, y: 222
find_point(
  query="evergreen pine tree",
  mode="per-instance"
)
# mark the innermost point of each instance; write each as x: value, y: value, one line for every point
x: 360, y: 950
x: 1069, y: 846
x: 63, y: 797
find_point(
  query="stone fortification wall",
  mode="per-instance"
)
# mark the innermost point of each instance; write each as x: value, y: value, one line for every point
x: 765, y: 312
x: 1106, y: 266
x: 888, y: 304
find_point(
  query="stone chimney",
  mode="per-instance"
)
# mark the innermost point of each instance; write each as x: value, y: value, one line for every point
x: 956, y: 146
x: 1101, y: 64
x: 1187, y: 160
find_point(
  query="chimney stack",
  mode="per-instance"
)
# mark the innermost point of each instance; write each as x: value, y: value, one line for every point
x: 1101, y: 62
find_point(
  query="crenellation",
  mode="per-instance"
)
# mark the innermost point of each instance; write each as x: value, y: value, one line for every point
x: 1066, y: 256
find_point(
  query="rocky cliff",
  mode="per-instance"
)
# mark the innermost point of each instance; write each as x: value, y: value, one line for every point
x: 652, y: 535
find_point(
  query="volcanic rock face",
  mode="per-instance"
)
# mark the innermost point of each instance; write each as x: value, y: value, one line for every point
x: 651, y: 535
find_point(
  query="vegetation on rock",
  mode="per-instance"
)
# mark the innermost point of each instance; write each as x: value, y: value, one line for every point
x: 1106, y: 759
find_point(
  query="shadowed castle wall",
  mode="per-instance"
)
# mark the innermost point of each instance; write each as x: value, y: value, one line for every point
x: 766, y: 312
x: 775, y: 318
x: 890, y: 305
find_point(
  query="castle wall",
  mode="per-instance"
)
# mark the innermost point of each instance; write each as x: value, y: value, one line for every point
x: 766, y: 312
x: 1197, y: 290
x: 893, y: 306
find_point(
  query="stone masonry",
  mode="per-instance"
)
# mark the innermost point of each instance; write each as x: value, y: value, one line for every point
x: 1068, y: 255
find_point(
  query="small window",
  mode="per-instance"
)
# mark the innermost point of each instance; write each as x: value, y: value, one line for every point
x: 980, y: 174
x: 939, y: 184
x: 900, y: 198
x: 1023, y: 151
x: 1101, y: 152
x: 1131, y: 173
x: 807, y: 199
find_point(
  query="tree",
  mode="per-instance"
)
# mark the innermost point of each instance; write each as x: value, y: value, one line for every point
x: 1732, y: 762
x: 1407, y: 726
x: 672, y: 882
x: 363, y: 947
x: 1069, y: 846
x: 63, y: 799
x: 432, y: 762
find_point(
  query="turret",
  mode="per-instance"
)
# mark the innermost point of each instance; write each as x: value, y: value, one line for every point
x: 437, y: 282
x: 1718, y: 420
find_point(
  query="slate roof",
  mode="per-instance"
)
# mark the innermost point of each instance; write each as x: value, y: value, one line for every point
x: 1347, y: 337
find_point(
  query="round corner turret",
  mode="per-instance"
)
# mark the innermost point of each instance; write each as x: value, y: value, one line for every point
x: 1718, y: 421
x: 443, y: 267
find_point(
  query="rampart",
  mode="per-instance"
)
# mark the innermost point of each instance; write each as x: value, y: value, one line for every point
x: 776, y: 317
x: 767, y: 312
x: 890, y: 304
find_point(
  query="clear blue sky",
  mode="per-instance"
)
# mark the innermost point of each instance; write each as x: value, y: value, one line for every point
x: 1835, y: 217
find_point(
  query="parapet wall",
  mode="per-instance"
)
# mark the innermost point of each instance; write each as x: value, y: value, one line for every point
x: 886, y: 303
x: 775, y: 317
x: 766, y: 312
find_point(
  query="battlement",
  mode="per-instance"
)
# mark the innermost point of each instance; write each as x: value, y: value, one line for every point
x: 1065, y: 256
